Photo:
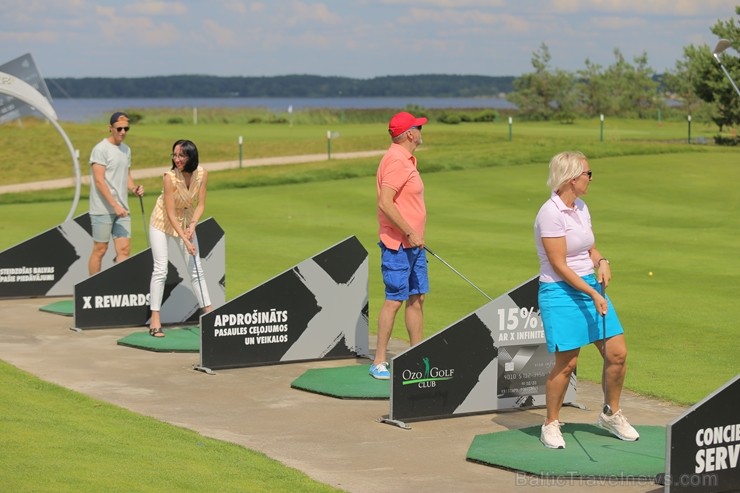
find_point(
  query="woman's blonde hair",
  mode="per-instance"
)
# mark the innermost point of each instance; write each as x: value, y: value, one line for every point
x: 564, y: 167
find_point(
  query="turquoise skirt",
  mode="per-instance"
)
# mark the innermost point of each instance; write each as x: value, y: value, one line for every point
x: 570, y: 318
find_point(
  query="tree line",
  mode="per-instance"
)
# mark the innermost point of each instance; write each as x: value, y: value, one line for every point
x: 309, y: 86
x: 697, y: 86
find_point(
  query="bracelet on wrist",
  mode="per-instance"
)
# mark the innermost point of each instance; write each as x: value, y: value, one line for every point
x: 602, y: 259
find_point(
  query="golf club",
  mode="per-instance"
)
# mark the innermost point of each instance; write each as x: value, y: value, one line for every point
x: 200, y: 284
x: 606, y: 410
x: 456, y: 272
x: 143, y: 219
x: 722, y: 45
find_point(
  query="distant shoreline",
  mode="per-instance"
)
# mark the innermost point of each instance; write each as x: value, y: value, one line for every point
x: 83, y: 110
x: 287, y: 86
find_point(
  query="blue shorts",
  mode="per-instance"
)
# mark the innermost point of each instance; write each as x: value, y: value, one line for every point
x: 404, y: 272
x: 570, y: 318
x: 106, y: 225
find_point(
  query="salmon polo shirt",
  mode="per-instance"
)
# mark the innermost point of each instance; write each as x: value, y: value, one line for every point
x: 397, y: 171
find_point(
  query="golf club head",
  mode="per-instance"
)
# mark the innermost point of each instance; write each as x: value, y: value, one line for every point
x: 722, y: 45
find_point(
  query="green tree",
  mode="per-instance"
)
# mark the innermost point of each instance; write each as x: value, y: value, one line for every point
x: 700, y: 73
x: 593, y: 89
x: 631, y: 88
x: 681, y: 84
x: 726, y: 98
x: 545, y: 94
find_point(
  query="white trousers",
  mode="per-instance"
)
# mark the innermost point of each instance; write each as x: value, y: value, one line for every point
x: 160, y: 256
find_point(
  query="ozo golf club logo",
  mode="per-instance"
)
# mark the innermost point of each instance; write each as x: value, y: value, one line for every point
x: 427, y: 378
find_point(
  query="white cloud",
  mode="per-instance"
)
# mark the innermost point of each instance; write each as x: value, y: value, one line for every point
x: 215, y: 33
x: 645, y: 7
x: 349, y: 37
x: 155, y: 8
x: 300, y: 12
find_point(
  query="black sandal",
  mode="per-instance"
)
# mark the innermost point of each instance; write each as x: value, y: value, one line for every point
x: 156, y: 332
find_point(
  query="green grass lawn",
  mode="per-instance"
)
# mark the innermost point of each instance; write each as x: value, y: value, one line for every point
x: 455, y: 146
x: 54, y: 440
x: 658, y: 206
x: 673, y: 214
x: 664, y: 214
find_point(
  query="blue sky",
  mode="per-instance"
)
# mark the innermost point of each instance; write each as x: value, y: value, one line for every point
x: 353, y: 38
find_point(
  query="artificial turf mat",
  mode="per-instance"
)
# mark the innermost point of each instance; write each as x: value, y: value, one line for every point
x: 63, y: 307
x: 179, y: 340
x: 590, y: 452
x: 345, y: 382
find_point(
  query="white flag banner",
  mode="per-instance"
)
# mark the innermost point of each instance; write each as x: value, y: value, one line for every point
x: 16, y: 105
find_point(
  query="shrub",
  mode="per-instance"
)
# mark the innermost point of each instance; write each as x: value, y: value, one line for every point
x: 449, y: 118
x: 134, y: 117
x: 726, y: 141
x: 486, y: 116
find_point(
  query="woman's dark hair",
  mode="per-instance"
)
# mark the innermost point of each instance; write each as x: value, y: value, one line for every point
x: 188, y: 148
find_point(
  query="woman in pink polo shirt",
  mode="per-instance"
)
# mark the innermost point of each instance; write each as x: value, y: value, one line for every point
x: 573, y: 308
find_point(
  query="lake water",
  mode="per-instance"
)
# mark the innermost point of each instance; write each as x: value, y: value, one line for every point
x: 81, y: 110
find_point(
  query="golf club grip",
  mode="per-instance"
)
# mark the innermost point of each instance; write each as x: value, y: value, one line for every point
x: 603, y: 295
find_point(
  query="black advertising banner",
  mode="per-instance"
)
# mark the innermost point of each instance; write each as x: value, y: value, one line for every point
x: 316, y: 310
x: 494, y: 358
x: 51, y: 263
x: 703, y: 445
x: 435, y: 377
x: 119, y: 295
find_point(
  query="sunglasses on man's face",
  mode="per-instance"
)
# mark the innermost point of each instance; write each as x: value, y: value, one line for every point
x: 120, y: 129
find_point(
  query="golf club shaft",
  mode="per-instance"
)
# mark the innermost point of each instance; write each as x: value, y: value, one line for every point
x: 456, y: 272
x: 729, y: 77
x: 200, y: 283
x: 603, y: 348
x: 143, y: 219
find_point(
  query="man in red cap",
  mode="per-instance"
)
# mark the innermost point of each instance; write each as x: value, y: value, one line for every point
x: 401, y: 219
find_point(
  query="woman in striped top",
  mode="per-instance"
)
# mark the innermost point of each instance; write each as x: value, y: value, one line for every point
x: 176, y: 213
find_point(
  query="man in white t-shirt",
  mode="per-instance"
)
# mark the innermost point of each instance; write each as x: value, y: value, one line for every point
x: 110, y: 182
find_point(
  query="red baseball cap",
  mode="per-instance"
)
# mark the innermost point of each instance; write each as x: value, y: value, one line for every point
x: 401, y: 122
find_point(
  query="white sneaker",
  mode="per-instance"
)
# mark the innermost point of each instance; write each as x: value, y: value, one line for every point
x: 551, y: 436
x: 617, y: 425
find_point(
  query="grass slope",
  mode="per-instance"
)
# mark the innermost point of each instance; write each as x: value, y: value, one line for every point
x: 658, y: 206
x: 55, y: 440
x: 667, y: 214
